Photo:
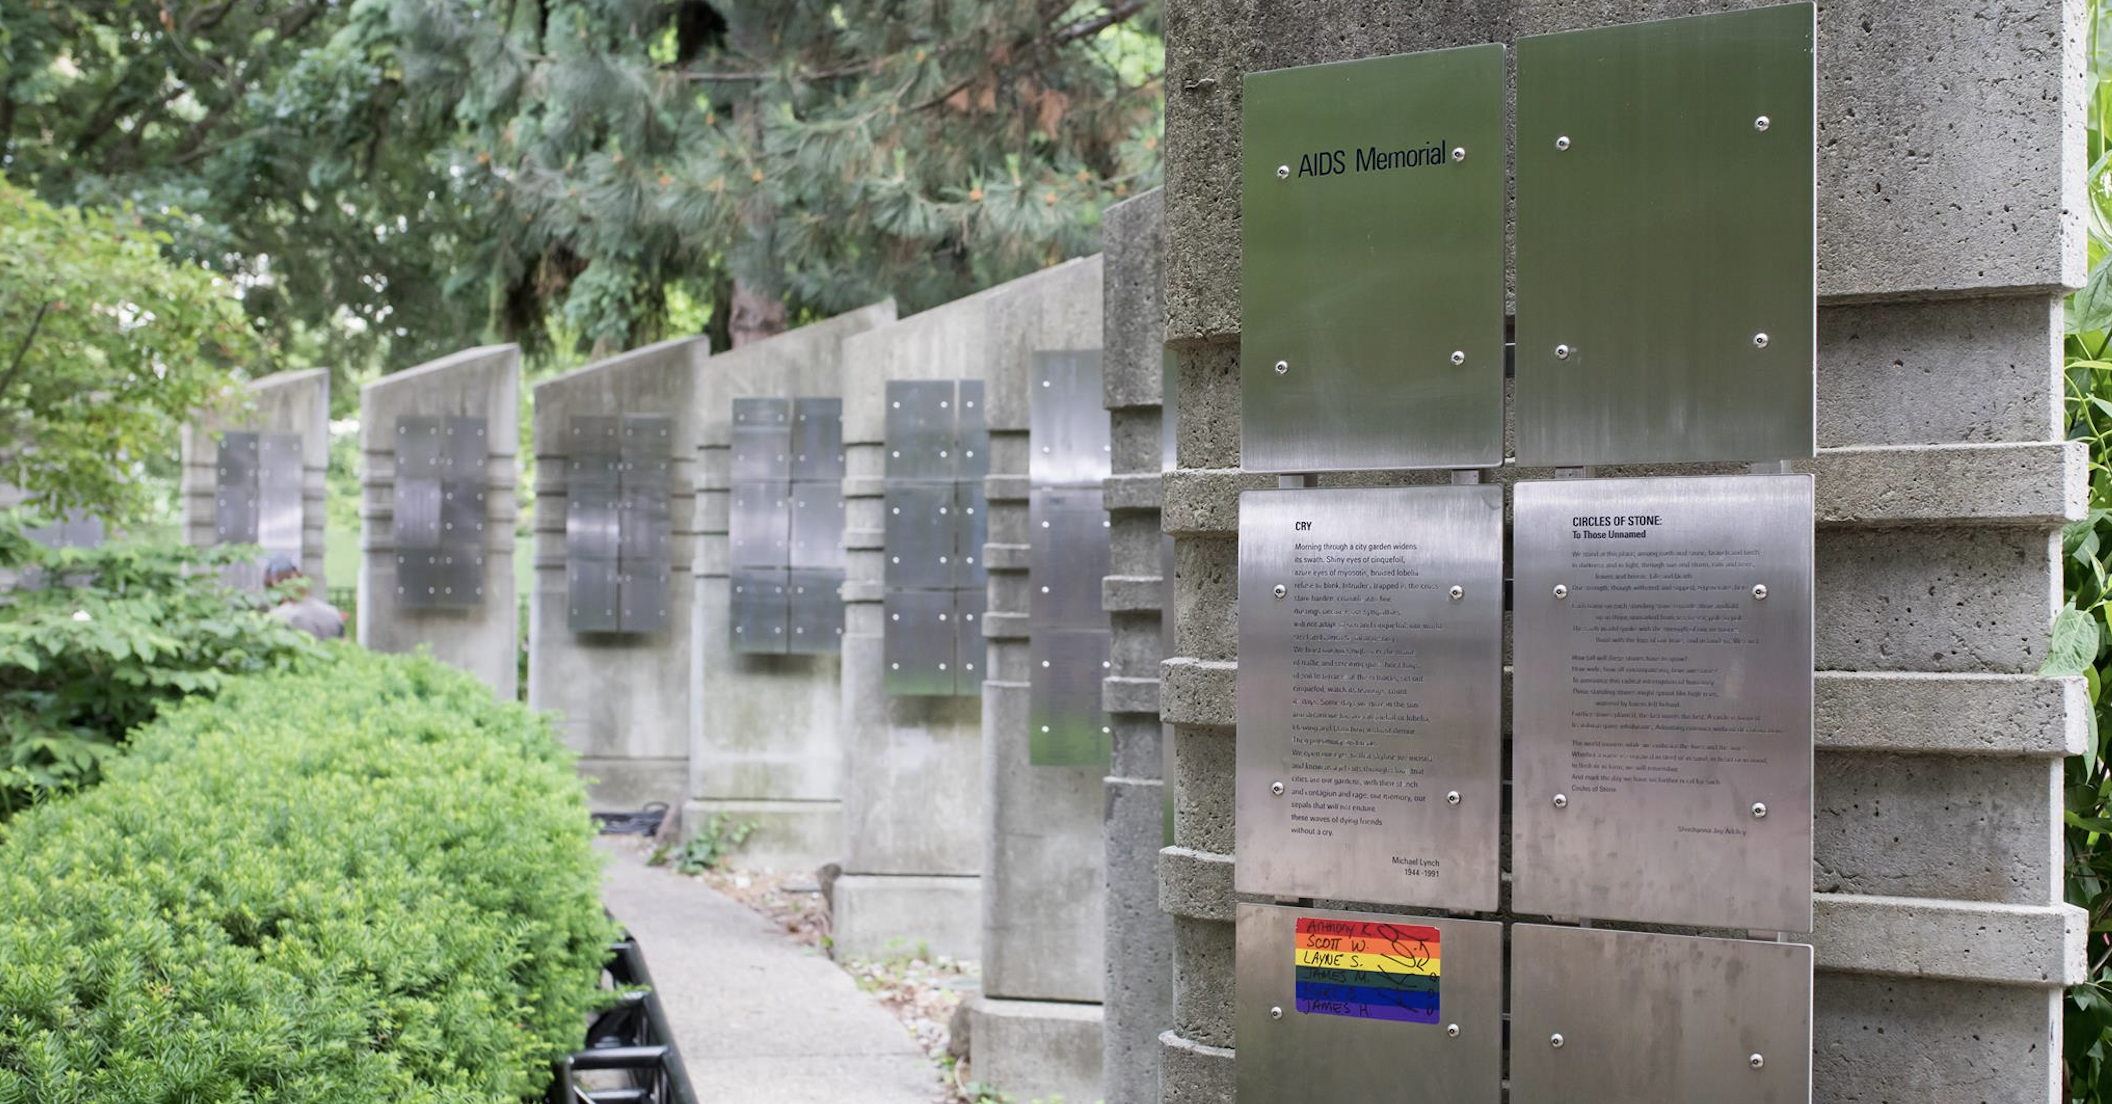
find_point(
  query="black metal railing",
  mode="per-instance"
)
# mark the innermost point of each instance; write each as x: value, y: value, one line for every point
x: 631, y: 1039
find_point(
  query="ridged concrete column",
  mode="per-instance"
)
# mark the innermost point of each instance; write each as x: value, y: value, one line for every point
x: 287, y: 402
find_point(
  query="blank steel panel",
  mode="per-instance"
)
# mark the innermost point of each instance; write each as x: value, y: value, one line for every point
x: 643, y: 526
x: 593, y: 434
x: 279, y: 520
x: 1370, y: 694
x: 462, y: 513
x: 235, y: 460
x: 279, y: 462
x: 919, y: 642
x: 1068, y: 426
x: 1669, y: 1019
x: 814, y: 600
x: 817, y: 525
x: 1666, y: 247
x: 648, y: 437
x: 1661, y: 712
x: 971, y: 530
x: 467, y: 450
x: 417, y: 513
x: 642, y: 595
x: 591, y: 595
x: 969, y: 647
x: 759, y: 611
x: 440, y: 578
x: 919, y: 535
x: 972, y: 433
x: 762, y: 440
x: 817, y: 440
x: 1359, y: 1006
x: 591, y: 497
x: 421, y: 447
x: 1067, y: 533
x: 234, y: 515
x: 1372, y: 274
x: 760, y: 524
x: 920, y: 429
x: 1066, y: 726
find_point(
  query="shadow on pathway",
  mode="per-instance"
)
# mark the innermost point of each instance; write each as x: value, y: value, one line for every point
x: 760, y: 1019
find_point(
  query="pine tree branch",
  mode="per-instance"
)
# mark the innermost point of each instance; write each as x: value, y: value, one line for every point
x: 1086, y: 28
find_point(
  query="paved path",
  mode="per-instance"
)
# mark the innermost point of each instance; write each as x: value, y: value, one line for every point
x: 760, y: 1019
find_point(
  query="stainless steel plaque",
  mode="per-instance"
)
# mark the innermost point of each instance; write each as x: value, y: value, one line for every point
x: 814, y: 600
x: 591, y: 595
x: 420, y: 448
x: 919, y: 535
x: 759, y: 524
x: 920, y: 429
x: 279, y: 461
x: 1357, y: 1006
x: 762, y: 440
x: 590, y: 519
x: 642, y: 590
x: 467, y: 451
x: 1666, y: 247
x: 1067, y: 532
x: 817, y: 440
x: 919, y: 642
x: 648, y: 436
x: 972, y: 433
x: 1066, y: 726
x: 235, y: 461
x: 817, y: 526
x: 1662, y: 729
x: 760, y: 611
x: 417, y: 513
x: 971, y: 513
x: 969, y: 646
x: 1068, y: 425
x: 1613, y: 1017
x: 1370, y: 753
x: 592, y: 434
x: 440, y: 578
x: 1372, y: 272
x: 234, y: 516
x: 462, y: 514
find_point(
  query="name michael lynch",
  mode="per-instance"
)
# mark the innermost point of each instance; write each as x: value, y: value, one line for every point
x: 1369, y: 159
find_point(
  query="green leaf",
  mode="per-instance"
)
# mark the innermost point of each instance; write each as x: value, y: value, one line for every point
x: 2074, y: 647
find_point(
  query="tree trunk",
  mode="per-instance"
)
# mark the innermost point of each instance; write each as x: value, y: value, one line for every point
x: 756, y: 314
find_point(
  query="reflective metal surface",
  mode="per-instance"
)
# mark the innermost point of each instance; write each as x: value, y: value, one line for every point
x: 1067, y: 414
x: 1664, y: 237
x: 919, y: 534
x: 618, y: 526
x: 642, y: 590
x: 814, y: 600
x: 1065, y: 725
x: 935, y: 525
x: 762, y: 440
x: 971, y: 530
x: 972, y: 433
x: 918, y: 648
x: 759, y: 524
x: 1368, y: 692
x: 440, y: 506
x: 817, y: 440
x: 920, y: 429
x: 817, y: 526
x: 591, y: 595
x: 787, y: 513
x: 462, y: 514
x: 1067, y: 531
x: 1372, y: 252
x: 1369, y: 1007
x: 969, y: 647
x: 467, y: 451
x: 760, y: 611
x: 420, y: 448
x: 1663, y: 697
x: 1647, y: 1017
x: 417, y: 513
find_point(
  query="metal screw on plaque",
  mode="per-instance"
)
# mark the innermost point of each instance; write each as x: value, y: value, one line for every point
x: 1459, y: 356
x: 1283, y: 172
x: 1759, y: 810
x: 1452, y: 798
x: 1282, y: 366
x: 1555, y: 1040
x: 1457, y: 593
x: 1561, y: 591
x: 1452, y: 1030
x: 1280, y: 592
x: 1276, y: 1012
x: 1756, y: 1061
x: 1760, y: 592
x: 1562, y: 143
x: 1276, y: 788
x: 1561, y: 352
x: 1459, y: 153
x: 1759, y: 124
x: 1759, y: 341
x: 1561, y: 801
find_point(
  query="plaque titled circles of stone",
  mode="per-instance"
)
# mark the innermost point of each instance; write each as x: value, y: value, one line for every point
x: 1358, y: 1006
x: 1662, y: 700
x: 1614, y: 1017
x: 1371, y: 275
x: 1370, y: 664
x: 1666, y: 242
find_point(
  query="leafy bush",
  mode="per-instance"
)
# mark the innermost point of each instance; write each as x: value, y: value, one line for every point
x: 366, y: 882
x: 117, y: 633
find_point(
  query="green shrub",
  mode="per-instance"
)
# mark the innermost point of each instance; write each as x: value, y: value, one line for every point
x: 136, y: 626
x: 365, y: 882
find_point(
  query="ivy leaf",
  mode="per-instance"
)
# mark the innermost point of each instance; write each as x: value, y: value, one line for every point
x: 2074, y: 646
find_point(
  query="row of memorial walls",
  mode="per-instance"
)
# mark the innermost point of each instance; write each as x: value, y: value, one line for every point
x: 616, y: 526
x: 912, y: 734
x: 1138, y: 990
x: 1035, y: 1030
x: 257, y: 477
x: 768, y: 615
x: 440, y: 446
x: 1947, y: 228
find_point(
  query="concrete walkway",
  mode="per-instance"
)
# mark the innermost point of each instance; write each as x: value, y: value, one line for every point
x: 760, y: 1019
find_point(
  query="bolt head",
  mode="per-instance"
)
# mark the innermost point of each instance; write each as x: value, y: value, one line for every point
x: 1280, y: 591
x: 1759, y: 341
x: 1555, y: 1040
x: 1561, y: 591
x: 1561, y: 352
x: 1452, y: 1030
x: 1760, y: 123
x: 1283, y: 172
x: 1282, y: 366
x: 1457, y: 593
x: 1561, y: 801
x: 1276, y: 788
x: 1459, y: 356
x: 1562, y: 143
x: 1459, y: 153
x: 1759, y: 810
x: 1757, y: 1060
x: 1276, y: 1012
x: 1452, y: 798
x: 1760, y: 592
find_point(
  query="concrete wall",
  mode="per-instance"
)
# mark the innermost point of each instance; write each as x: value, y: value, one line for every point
x: 286, y: 402
x: 1949, y: 208
x: 764, y: 745
x: 475, y: 383
x: 1138, y: 992
x: 1036, y: 1027
x: 623, y: 699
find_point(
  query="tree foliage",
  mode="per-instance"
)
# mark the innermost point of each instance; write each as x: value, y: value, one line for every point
x: 106, y: 346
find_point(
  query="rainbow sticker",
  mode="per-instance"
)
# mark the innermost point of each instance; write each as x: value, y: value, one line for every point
x: 1366, y: 970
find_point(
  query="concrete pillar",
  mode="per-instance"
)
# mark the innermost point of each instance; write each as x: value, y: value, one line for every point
x: 1036, y: 1027
x: 286, y: 402
x: 764, y: 742
x: 623, y: 699
x: 1139, y: 985
x: 1949, y: 223
x: 475, y: 383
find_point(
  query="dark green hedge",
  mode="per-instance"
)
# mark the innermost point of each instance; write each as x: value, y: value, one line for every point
x: 366, y: 882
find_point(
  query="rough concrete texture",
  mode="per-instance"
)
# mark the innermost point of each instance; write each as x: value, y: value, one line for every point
x: 876, y: 916
x: 288, y: 402
x: 756, y: 1017
x: 1942, y: 481
x: 475, y: 383
x: 622, y: 698
x: 1053, y: 1047
x: 1138, y: 988
x: 764, y: 745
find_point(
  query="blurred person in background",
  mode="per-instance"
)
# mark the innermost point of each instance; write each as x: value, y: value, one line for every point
x: 301, y: 609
